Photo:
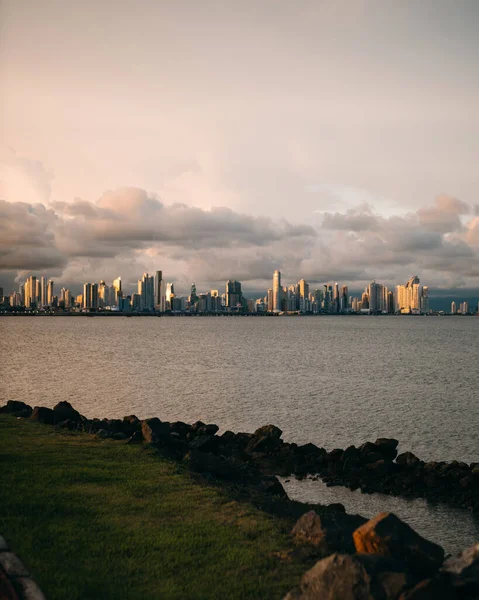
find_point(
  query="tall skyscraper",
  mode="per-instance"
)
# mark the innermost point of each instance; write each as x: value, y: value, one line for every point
x: 343, y: 299
x: 103, y: 294
x: 31, y: 292
x: 453, y: 308
x: 159, y: 292
x: 170, y: 295
x: 50, y: 292
x: 43, y: 291
x: 90, y: 295
x: 234, y: 295
x: 146, y: 290
x: 117, y: 292
x: 277, y: 291
x: 411, y: 298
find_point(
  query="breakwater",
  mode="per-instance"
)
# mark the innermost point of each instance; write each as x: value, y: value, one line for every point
x: 382, y: 557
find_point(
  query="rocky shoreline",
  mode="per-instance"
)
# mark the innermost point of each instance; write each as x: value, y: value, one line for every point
x: 352, y: 557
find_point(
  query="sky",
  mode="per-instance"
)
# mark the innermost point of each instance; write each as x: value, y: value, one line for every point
x: 336, y: 140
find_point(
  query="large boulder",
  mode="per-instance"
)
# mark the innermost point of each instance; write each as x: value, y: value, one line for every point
x: 387, y: 535
x: 408, y: 459
x: 155, y: 431
x: 17, y: 409
x: 44, y: 415
x: 204, y: 443
x: 464, y: 571
x: 266, y: 439
x: 330, y: 532
x: 352, y: 577
x: 64, y: 410
x: 387, y: 447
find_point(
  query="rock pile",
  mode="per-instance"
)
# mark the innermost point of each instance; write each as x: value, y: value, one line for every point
x: 387, y: 560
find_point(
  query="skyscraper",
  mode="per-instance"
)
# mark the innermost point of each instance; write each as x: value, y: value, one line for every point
x: 50, y: 293
x: 43, y: 291
x: 117, y: 293
x: 277, y: 291
x: 90, y: 295
x: 453, y: 308
x: 146, y: 290
x: 234, y: 295
x: 159, y: 292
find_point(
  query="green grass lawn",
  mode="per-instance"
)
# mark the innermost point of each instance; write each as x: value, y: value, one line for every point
x: 96, y: 518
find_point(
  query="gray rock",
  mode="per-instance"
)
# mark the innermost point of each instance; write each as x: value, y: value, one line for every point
x: 155, y: 431
x: 464, y: 570
x: 29, y: 589
x: 12, y: 565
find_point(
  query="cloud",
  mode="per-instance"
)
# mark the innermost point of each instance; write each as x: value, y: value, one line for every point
x: 130, y: 230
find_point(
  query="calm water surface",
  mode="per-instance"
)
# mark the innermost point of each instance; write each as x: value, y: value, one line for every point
x: 333, y: 381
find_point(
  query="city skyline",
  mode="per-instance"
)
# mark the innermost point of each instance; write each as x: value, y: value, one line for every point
x: 156, y: 295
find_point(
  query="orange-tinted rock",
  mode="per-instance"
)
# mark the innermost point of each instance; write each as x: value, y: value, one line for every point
x: 387, y: 535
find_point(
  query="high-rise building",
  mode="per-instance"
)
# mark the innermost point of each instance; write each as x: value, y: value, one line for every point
x: 277, y: 291
x: 43, y: 291
x: 344, y: 299
x: 90, y: 295
x: 50, y: 292
x: 31, y: 292
x: 103, y: 294
x: 159, y: 292
x: 411, y: 298
x: 117, y: 292
x: 464, y: 308
x: 170, y: 294
x: 453, y: 308
x: 193, y: 299
x: 146, y: 289
x: 303, y: 287
x: 234, y: 295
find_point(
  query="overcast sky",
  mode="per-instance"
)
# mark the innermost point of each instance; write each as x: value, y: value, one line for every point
x: 333, y: 139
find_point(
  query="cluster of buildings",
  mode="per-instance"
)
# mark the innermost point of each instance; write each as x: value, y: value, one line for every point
x: 411, y: 298
x: 153, y: 294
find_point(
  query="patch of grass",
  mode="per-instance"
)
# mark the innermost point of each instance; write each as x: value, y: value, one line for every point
x: 99, y: 519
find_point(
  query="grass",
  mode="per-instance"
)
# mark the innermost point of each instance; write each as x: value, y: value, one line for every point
x: 96, y: 518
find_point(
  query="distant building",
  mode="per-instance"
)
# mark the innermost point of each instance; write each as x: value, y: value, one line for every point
x: 453, y: 308
x: 277, y: 291
x: 234, y: 296
x: 90, y: 295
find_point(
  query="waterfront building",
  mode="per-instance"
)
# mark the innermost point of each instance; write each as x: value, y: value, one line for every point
x: 43, y: 291
x: 146, y: 290
x: 90, y: 295
x: 344, y: 299
x: 464, y: 308
x: 453, y: 308
x: 277, y: 291
x: 103, y: 294
x: 117, y: 292
x: 50, y: 292
x: 303, y: 287
x: 234, y: 296
x: 136, y: 302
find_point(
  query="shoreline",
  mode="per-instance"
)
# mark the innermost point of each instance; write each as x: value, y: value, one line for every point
x: 342, y: 551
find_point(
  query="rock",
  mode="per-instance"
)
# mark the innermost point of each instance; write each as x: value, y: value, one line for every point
x: 437, y: 588
x: 337, y: 577
x: 182, y: 429
x: 29, y: 589
x: 380, y: 468
x: 12, y: 565
x: 197, y: 425
x: 330, y: 532
x: 372, y: 457
x: 119, y: 435
x: 263, y: 444
x: 387, y: 447
x: 67, y: 424
x: 268, y: 431
x: 387, y: 535
x: 44, y: 415
x: 136, y: 438
x: 210, y: 429
x: 104, y: 434
x: 408, y: 459
x: 201, y: 462
x: 270, y: 485
x: 17, y: 409
x: 464, y: 571
x: 205, y: 443
x: 155, y: 431
x: 7, y: 591
x: 3, y: 544
x: 64, y: 410
x: 309, y: 528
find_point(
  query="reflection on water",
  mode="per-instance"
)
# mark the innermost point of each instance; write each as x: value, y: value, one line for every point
x: 453, y: 529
